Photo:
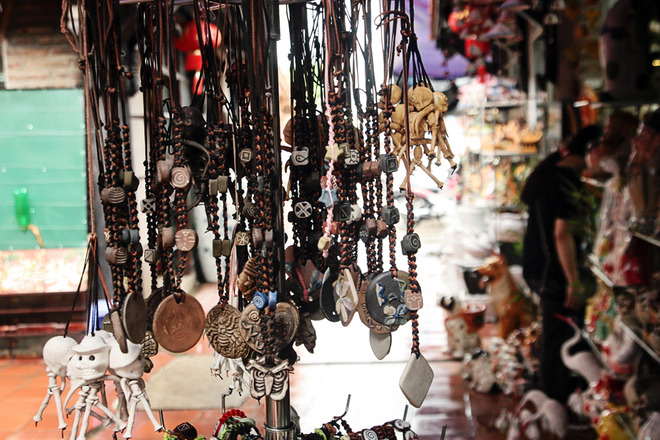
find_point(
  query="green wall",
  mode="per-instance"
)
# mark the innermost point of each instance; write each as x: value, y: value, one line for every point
x: 42, y: 148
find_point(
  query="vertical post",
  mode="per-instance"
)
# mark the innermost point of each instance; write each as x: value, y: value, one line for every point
x: 278, y: 424
x: 534, y: 31
x: 273, y: 17
x: 531, y: 80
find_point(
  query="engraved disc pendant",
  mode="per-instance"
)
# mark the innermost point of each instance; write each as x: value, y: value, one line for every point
x: 178, y: 327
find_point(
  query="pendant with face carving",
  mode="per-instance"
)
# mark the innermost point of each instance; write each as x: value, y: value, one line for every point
x: 269, y: 381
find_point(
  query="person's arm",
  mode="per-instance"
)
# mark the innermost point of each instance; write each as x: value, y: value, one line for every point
x: 567, y: 254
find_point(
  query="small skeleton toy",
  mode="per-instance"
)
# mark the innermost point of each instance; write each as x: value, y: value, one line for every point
x: 129, y: 367
x: 234, y: 369
x: 57, y: 353
x: 88, y: 368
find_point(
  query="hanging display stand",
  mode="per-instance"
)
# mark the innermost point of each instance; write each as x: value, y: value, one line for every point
x: 187, y: 153
x: 278, y: 425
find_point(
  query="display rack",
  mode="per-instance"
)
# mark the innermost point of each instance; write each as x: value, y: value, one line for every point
x: 505, y: 153
x: 614, y: 104
x: 600, y: 274
x: 598, y: 271
x: 654, y: 241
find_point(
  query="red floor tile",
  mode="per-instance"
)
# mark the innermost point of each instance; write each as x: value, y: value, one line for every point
x: 15, y: 420
x: 311, y: 386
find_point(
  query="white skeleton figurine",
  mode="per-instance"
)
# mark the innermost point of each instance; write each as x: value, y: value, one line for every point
x: 129, y: 368
x: 57, y: 353
x: 87, y: 369
x: 233, y: 368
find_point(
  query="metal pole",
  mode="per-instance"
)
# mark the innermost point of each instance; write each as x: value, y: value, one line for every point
x: 535, y: 30
x: 531, y: 81
x: 278, y: 424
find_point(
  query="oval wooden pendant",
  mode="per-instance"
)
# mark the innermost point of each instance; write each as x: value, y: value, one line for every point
x: 134, y: 317
x: 118, y: 330
x: 178, y: 327
x: 314, y: 310
x: 223, y: 332
x: 328, y: 296
x: 284, y: 326
x: 153, y: 301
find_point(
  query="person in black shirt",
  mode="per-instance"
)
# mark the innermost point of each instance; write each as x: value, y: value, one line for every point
x: 551, y: 252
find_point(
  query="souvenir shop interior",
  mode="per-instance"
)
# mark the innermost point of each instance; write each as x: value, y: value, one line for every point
x: 330, y: 219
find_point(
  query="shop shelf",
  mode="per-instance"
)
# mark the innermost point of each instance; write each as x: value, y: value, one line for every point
x: 594, y: 182
x: 640, y: 341
x: 506, y: 153
x: 613, y: 104
x: 654, y: 241
x: 595, y: 349
x: 598, y: 271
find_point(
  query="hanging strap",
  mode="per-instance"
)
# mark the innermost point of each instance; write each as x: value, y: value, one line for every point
x: 82, y: 276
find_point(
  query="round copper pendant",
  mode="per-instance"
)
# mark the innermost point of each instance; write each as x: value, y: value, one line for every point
x: 223, y: 333
x: 134, y: 317
x: 178, y: 327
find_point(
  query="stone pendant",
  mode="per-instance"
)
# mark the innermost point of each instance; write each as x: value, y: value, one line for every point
x: 380, y: 344
x: 416, y: 380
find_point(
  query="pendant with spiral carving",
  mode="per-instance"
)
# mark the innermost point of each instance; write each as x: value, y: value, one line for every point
x: 222, y: 330
x: 284, y: 325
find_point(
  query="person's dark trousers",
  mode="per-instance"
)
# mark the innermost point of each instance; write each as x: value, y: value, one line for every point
x: 557, y: 381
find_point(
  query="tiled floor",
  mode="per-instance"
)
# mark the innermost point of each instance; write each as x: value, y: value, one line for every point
x: 341, y: 365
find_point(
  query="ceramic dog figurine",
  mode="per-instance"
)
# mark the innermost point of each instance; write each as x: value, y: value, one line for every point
x: 462, y: 338
x: 514, y: 310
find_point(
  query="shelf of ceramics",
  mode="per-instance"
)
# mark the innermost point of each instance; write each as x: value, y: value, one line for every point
x: 595, y: 349
x: 512, y: 103
x: 613, y: 104
x: 654, y: 241
x: 640, y: 341
x: 506, y: 153
x: 596, y: 269
x: 593, y: 182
